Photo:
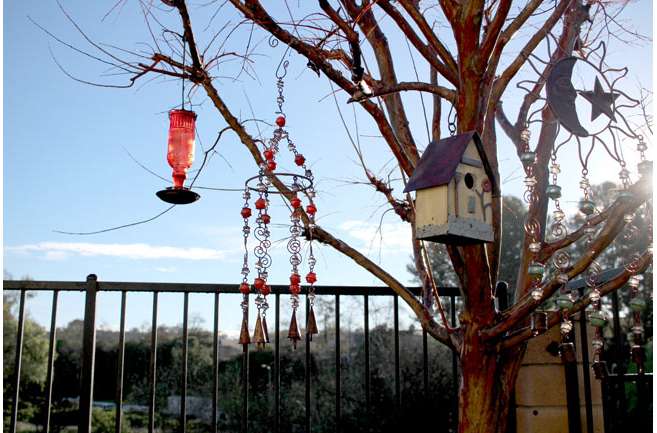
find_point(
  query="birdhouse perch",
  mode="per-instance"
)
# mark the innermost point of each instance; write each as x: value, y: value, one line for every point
x: 454, y: 187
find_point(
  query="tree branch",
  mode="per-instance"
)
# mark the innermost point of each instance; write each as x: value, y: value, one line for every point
x: 383, y: 89
x: 608, y: 287
x: 614, y: 225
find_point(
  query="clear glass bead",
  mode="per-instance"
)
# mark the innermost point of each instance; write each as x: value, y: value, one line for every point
x: 624, y: 173
x: 641, y: 146
x: 525, y: 135
x: 562, y: 278
x: 555, y: 169
x: 633, y: 282
x: 597, y: 344
x: 594, y: 296
x: 628, y: 217
x: 537, y: 294
x: 534, y: 247
x: 530, y: 181
x: 558, y: 215
x: 291, y: 146
x: 584, y: 184
x: 566, y: 326
x: 246, y: 195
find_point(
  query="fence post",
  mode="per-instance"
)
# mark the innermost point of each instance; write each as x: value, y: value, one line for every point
x: 88, y: 355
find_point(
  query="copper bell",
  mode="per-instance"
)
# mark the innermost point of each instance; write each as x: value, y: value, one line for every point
x: 293, y: 334
x: 311, y: 326
x: 244, y: 332
x: 258, y: 335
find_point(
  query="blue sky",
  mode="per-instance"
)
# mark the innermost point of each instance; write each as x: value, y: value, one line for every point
x: 66, y: 166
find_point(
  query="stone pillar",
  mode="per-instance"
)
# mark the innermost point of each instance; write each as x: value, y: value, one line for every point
x: 541, y: 386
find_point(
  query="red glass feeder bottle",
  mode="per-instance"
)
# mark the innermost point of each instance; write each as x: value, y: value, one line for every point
x: 180, y: 155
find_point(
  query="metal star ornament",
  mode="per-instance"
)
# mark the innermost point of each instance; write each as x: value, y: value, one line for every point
x: 601, y: 101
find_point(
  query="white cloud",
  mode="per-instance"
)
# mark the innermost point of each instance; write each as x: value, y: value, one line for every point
x: 166, y: 269
x: 391, y: 238
x: 60, y: 250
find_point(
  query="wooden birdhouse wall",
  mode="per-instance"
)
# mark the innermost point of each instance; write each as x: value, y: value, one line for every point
x: 469, y: 199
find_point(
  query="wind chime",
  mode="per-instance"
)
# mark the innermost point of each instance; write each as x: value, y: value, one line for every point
x: 294, y: 184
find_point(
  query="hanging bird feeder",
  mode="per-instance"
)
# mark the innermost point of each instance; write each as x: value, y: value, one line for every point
x: 180, y: 155
x: 180, y: 150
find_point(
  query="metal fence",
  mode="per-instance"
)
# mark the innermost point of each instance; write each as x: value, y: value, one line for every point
x: 91, y: 288
x: 615, y: 409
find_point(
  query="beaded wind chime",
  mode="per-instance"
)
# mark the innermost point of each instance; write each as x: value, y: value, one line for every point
x: 261, y: 185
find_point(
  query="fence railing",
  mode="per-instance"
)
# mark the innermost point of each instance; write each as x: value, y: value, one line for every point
x: 613, y: 385
x: 93, y: 286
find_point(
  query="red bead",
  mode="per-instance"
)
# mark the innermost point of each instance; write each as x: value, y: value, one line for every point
x: 259, y: 283
x: 245, y: 288
x: 271, y: 165
x: 261, y: 203
x: 265, y: 290
x: 246, y: 212
x: 295, y: 289
x: 269, y: 154
x: 295, y: 202
x: 280, y: 121
x: 265, y: 218
x: 311, y: 209
x: 299, y: 159
x: 295, y: 279
x: 311, y: 278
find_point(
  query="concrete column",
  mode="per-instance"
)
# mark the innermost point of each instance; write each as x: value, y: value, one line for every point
x: 541, y: 387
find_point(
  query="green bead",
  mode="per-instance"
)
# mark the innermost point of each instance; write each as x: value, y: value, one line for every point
x: 565, y: 302
x: 553, y: 191
x: 645, y: 168
x: 587, y: 207
x: 625, y: 195
x: 535, y: 270
x: 637, y: 304
x: 528, y: 158
x: 597, y: 319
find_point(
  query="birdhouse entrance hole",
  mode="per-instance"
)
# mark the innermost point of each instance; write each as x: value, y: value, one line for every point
x: 469, y: 181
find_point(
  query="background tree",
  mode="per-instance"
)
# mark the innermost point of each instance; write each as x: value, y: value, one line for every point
x: 465, y: 47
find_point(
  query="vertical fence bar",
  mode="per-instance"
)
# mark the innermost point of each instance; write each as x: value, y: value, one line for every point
x: 572, y: 392
x: 245, y: 389
x: 618, y: 386
x: 17, y: 362
x: 152, y: 367
x: 455, y: 372
x: 366, y: 329
x: 425, y: 365
x: 307, y: 372
x: 119, y: 367
x: 52, y: 347
x: 397, y: 371
x: 215, y: 364
x: 586, y: 371
x: 88, y: 356
x: 183, y: 379
x: 338, y: 365
x: 277, y: 366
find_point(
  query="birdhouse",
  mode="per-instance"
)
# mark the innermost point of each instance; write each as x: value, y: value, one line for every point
x: 454, y: 186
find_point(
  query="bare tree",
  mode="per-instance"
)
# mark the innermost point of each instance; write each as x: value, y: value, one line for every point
x: 465, y: 45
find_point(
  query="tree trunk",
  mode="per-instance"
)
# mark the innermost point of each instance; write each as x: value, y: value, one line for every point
x: 486, y: 387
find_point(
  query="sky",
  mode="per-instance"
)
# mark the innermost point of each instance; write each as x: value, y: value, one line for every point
x: 69, y: 147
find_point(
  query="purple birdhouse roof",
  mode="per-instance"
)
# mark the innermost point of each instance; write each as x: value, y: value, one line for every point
x: 439, y: 161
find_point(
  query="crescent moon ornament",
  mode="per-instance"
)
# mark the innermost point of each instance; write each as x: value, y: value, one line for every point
x: 561, y: 96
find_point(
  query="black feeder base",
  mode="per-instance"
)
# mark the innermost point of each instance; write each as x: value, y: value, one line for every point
x: 178, y: 195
